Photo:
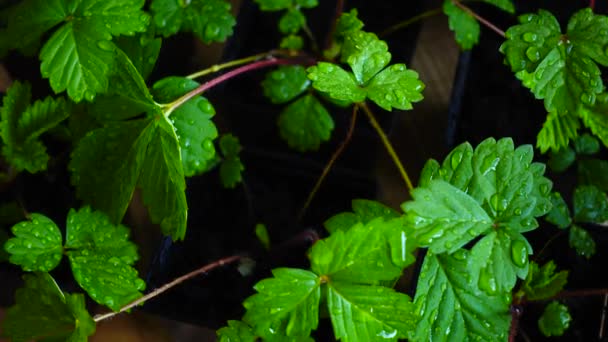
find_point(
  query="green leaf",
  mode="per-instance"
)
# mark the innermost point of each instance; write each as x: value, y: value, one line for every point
x: 274, y: 5
x: 593, y: 172
x: 366, y: 55
x: 24, y: 123
x: 543, y: 282
x: 505, y: 5
x: 369, y: 313
x: 292, y: 21
x: 42, y: 312
x: 262, y: 234
x: 444, y: 217
x: 37, y: 245
x: 590, y: 204
x: 210, y: 20
x: 338, y: 83
x: 236, y: 331
x: 595, y: 117
x: 347, y: 23
x: 285, y: 83
x: 557, y: 132
x: 101, y: 257
x: 554, y: 320
x: 561, y: 69
x: 292, y: 42
x: 452, y: 307
x: 307, y: 3
x: 305, y: 124
x: 288, y: 302
x: 586, y: 144
x: 143, y: 50
x: 465, y: 27
x: 559, y: 214
x: 192, y: 120
x: 562, y: 159
x: 395, y: 86
x: 581, y: 241
x: 231, y: 167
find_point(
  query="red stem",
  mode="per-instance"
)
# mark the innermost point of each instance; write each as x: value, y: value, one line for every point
x: 480, y: 18
x: 592, y: 4
x: 332, y: 29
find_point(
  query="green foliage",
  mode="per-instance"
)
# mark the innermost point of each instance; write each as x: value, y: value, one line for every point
x: 285, y: 83
x: 554, y: 320
x: 292, y: 21
x: 37, y: 245
x: 231, y: 167
x: 593, y: 172
x: 43, y: 312
x: 590, y: 205
x: 85, y: 29
x: 559, y: 214
x: 261, y: 232
x: 561, y: 69
x: 142, y: 50
x: 363, y: 211
x: 586, y: 144
x: 292, y: 42
x: 209, y: 20
x: 561, y: 160
x: 595, y: 117
x: 581, y: 241
x: 542, y: 282
x: 305, y: 124
x: 236, y: 331
x: 23, y: 123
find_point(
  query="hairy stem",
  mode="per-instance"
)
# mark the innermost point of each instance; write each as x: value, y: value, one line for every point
x: 387, y: 145
x: 330, y: 163
x: 236, y: 62
x: 177, y: 281
x: 410, y: 21
x: 480, y: 18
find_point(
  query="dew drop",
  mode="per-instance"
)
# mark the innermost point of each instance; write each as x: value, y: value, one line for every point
x: 533, y: 54
x: 487, y: 282
x: 530, y: 37
x: 105, y: 45
x: 519, y: 253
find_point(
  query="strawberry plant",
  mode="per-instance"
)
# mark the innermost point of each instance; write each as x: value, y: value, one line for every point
x: 130, y: 137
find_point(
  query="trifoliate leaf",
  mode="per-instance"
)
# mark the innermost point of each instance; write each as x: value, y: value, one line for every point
x: 554, y: 320
x: 210, y: 20
x: 292, y: 21
x: 559, y: 68
x: 231, y: 167
x: 465, y: 27
x: 451, y: 305
x: 559, y: 214
x: 194, y: 129
x: 285, y: 83
x: 22, y: 125
x: 500, y: 259
x: 593, y: 172
x: 361, y: 254
x: 43, y: 313
x: 586, y: 144
x: 369, y: 313
x: 143, y: 50
x: 101, y: 257
x: 274, y: 5
x: 581, y: 241
x: 338, y: 83
x: 395, y: 86
x: 444, y: 217
x: 292, y: 42
x: 366, y: 55
x: 557, y: 132
x: 37, y: 245
x: 236, y: 331
x: 543, y: 282
x: 562, y: 159
x: 347, y: 23
x: 590, y: 204
x: 595, y: 117
x: 287, y: 302
x: 305, y: 124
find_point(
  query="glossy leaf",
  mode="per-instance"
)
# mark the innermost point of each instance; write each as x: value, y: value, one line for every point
x: 209, y: 20
x: 292, y: 21
x: 37, y: 245
x: 557, y: 132
x: 347, y: 23
x: 581, y: 241
x: 143, y: 50
x: 363, y: 211
x: 43, y: 312
x: 543, y: 282
x: 590, y: 204
x: 236, y: 331
x: 292, y: 42
x: 466, y: 28
x: 289, y: 300
x: 395, y: 87
x: 559, y: 214
x: 453, y: 307
x: 554, y: 320
x: 366, y: 55
x: 231, y: 167
x: 369, y: 313
x: 336, y: 82
x: 305, y: 124
x: 285, y: 83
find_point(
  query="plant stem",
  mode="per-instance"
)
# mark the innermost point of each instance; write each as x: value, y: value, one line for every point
x: 177, y: 281
x: 236, y: 62
x: 387, y: 144
x: 337, y: 13
x: 480, y: 18
x: 311, y: 37
x: 170, y: 107
x: 592, y: 4
x: 410, y: 21
x: 581, y: 293
x: 330, y: 163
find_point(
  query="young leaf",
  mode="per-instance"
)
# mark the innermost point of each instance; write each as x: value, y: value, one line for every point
x: 292, y: 42
x: 562, y: 159
x: 210, y: 20
x: 290, y: 300
x: 305, y: 123
x: 43, y: 312
x: 590, y: 204
x: 581, y: 241
x: 543, y: 282
x: 231, y: 167
x: 360, y: 255
x: 101, y: 257
x: 292, y: 21
x: 466, y: 28
x: 554, y: 320
x: 366, y: 55
x: 261, y: 232
x: 559, y: 214
x: 348, y: 23
x: 285, y: 83
x: 37, y: 245
x: 451, y: 306
x: 236, y: 331
x: 369, y: 313
x: 557, y: 131
x: 586, y: 144
x: 395, y: 86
